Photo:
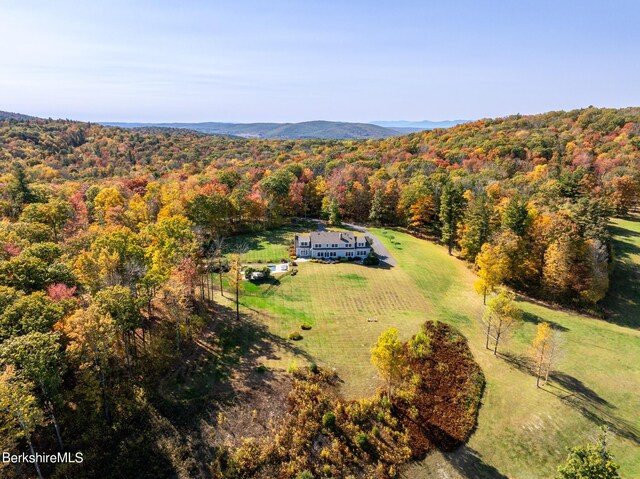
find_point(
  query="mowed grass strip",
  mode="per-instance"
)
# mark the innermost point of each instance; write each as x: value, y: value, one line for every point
x: 348, y: 306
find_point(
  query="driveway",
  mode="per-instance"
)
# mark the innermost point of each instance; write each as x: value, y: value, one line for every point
x: 377, y: 245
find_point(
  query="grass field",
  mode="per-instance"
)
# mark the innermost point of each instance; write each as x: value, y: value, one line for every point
x: 523, y: 431
x: 268, y: 246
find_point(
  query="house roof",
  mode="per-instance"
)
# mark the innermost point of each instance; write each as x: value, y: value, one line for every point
x: 331, y: 237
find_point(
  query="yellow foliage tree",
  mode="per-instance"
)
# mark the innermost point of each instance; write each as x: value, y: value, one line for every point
x: 387, y: 355
x: 20, y: 414
x: 493, y: 269
x: 501, y: 317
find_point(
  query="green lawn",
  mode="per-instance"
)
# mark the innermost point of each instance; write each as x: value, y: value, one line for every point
x: 268, y: 246
x: 523, y: 431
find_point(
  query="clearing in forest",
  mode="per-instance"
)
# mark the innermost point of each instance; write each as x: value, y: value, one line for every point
x: 523, y: 431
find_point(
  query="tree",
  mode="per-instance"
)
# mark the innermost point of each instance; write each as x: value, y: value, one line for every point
x: 379, y: 213
x: 172, y: 241
x: 235, y: 275
x: 593, y: 461
x: 451, y: 207
x: 19, y: 411
x: 219, y: 255
x: 493, y: 269
x: 55, y: 213
x: 625, y: 193
x: 28, y: 313
x: 116, y: 257
x: 211, y: 212
x: 385, y: 204
x: 477, y: 226
x: 91, y: 339
x: 500, y: 318
x: 148, y: 288
x: 421, y: 213
x: 331, y: 210
x: 108, y: 203
x: 388, y: 356
x: 545, y: 348
x: 19, y: 190
x: 38, y: 357
x: 516, y: 216
x: 118, y: 302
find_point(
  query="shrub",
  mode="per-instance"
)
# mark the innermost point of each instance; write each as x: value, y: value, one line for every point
x: 266, y: 272
x: 420, y: 345
x: 375, y: 431
x: 329, y: 420
x: 313, y: 367
x: 305, y: 326
x: 261, y: 368
x: 248, y: 272
x: 259, y: 261
x: 293, y: 367
x: 304, y: 475
x: 362, y: 440
x: 371, y: 260
x: 295, y: 336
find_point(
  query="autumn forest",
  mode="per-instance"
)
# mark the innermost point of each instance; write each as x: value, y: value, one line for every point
x: 121, y: 253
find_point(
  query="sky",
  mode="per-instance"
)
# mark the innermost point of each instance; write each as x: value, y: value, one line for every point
x: 299, y: 60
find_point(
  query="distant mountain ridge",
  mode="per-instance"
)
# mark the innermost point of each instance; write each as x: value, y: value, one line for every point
x: 7, y: 115
x: 331, y: 130
x: 419, y: 125
x: 321, y: 129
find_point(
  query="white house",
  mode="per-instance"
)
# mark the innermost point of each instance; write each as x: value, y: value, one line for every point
x: 331, y: 245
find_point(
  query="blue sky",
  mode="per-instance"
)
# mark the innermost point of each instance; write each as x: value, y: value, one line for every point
x: 245, y: 61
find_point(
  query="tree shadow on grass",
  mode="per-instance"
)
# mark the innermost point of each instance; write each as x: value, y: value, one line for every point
x: 623, y: 298
x: 590, y: 405
x: 470, y: 465
x: 535, y: 319
x: 579, y: 396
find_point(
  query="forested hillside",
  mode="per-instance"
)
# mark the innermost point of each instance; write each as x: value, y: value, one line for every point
x: 537, y: 191
x: 105, y: 234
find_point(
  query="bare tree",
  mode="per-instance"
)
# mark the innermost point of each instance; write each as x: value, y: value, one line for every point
x: 218, y: 254
x: 236, y: 273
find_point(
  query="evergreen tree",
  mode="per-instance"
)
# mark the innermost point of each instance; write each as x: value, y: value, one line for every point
x: 451, y: 210
x: 477, y: 227
x: 516, y: 216
x: 378, y: 212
